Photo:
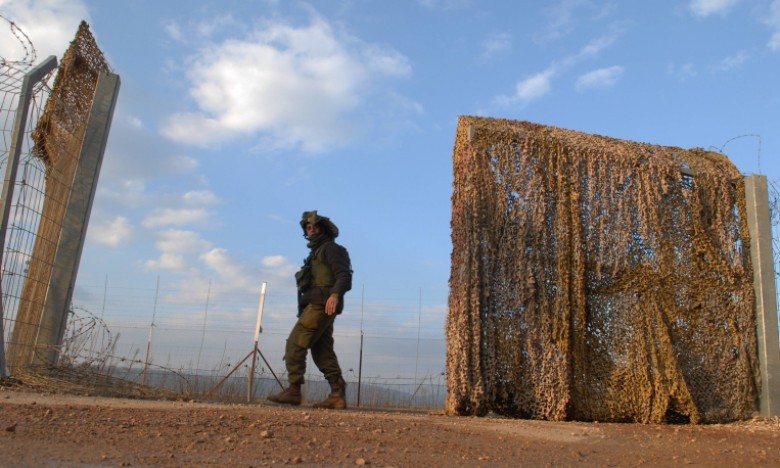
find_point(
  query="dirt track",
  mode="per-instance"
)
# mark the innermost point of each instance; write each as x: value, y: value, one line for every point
x: 55, y: 430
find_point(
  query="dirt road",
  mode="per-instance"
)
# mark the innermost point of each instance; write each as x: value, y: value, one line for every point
x: 55, y: 430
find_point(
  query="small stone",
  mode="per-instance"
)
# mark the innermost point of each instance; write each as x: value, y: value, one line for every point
x: 267, y: 434
x: 361, y: 461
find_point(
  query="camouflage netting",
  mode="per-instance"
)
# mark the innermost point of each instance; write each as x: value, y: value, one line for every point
x: 57, y: 141
x: 593, y: 280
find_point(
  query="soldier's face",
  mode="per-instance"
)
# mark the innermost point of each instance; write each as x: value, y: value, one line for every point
x: 312, y: 229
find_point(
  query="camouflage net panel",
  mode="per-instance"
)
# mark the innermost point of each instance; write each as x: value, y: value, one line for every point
x: 591, y: 280
x: 57, y: 141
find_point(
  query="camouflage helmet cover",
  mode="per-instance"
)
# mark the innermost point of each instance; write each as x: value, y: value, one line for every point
x: 325, y: 223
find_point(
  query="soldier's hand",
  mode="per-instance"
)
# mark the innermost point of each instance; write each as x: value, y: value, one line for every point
x: 331, y: 304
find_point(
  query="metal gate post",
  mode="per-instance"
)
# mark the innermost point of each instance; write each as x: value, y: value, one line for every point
x: 74, y: 225
x: 757, y: 200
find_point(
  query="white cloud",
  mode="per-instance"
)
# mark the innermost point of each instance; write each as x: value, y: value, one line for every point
x: 773, y: 20
x: 50, y: 25
x: 562, y: 20
x: 274, y: 261
x: 706, y: 8
x: 196, y: 129
x: 231, y: 271
x: 209, y: 27
x: 381, y: 61
x: 121, y: 193
x: 135, y: 122
x: 682, y: 72
x: 601, y: 78
x: 535, y: 86
x: 445, y: 4
x: 167, y: 262
x: 174, y: 31
x: 295, y: 86
x: 175, y: 247
x: 733, y: 61
x: 540, y: 84
x: 565, y: 15
x: 200, y: 198
x: 529, y: 89
x: 181, y: 241
x: 496, y: 45
x: 136, y: 151
x: 175, y: 217
x: 111, y: 233
x: 597, y: 45
x: 203, y: 267
x: 225, y: 274
x: 774, y: 42
x: 277, y: 270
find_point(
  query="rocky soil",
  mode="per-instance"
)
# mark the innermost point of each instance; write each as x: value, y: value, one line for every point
x: 61, y: 430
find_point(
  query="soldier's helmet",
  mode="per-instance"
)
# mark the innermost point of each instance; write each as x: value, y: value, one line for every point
x: 325, y: 223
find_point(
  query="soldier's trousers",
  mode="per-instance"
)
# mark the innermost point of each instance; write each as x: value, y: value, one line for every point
x: 313, y: 330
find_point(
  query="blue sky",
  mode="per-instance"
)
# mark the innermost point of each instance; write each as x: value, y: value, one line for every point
x: 236, y: 116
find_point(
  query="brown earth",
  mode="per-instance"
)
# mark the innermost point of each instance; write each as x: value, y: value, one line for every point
x: 59, y: 430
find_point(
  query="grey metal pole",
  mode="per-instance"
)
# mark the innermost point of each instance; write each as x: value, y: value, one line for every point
x: 15, y: 150
x: 151, y: 328
x: 76, y: 220
x: 757, y: 200
x: 360, y: 361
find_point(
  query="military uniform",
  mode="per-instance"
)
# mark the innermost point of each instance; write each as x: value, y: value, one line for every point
x: 331, y: 274
x: 326, y: 273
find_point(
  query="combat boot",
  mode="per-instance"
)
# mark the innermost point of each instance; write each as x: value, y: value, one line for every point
x: 337, y: 398
x: 289, y: 396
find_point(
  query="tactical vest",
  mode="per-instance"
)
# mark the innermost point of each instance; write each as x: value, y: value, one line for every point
x: 321, y: 275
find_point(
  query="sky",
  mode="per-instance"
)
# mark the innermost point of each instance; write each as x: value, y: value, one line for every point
x: 234, y: 117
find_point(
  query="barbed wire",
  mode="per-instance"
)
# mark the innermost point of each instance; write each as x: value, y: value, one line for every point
x: 29, y: 56
x: 758, y: 150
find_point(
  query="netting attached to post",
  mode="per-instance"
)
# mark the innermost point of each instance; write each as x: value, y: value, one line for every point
x: 597, y: 279
x: 55, y: 143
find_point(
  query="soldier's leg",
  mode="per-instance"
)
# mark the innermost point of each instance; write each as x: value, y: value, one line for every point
x: 324, y: 356
x: 306, y: 332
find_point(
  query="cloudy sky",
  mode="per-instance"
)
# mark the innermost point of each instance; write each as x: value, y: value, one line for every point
x: 235, y: 116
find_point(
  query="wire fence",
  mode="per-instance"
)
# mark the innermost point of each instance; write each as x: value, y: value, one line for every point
x: 391, y: 354
x: 773, y: 187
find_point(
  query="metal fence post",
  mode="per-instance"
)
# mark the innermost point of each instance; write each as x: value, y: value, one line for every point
x: 31, y: 78
x: 74, y: 230
x: 757, y: 200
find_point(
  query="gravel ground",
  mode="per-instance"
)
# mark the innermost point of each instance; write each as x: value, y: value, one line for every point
x: 64, y: 430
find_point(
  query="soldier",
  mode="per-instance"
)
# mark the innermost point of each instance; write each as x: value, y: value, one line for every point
x: 323, y: 280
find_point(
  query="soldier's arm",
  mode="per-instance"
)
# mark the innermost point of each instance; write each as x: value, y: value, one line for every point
x: 337, y: 258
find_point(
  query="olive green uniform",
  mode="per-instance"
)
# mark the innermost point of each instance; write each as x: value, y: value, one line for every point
x: 326, y: 272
